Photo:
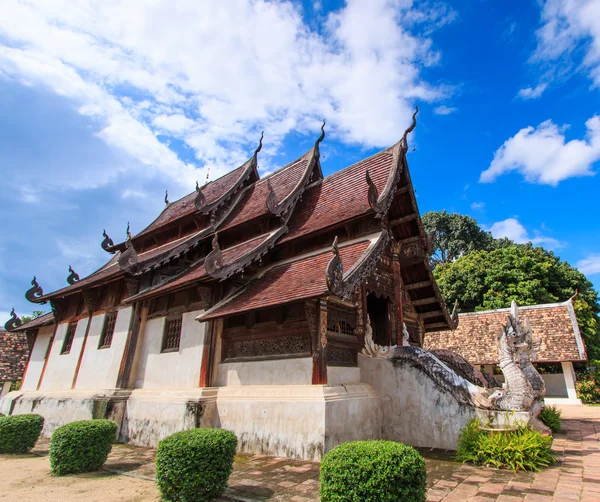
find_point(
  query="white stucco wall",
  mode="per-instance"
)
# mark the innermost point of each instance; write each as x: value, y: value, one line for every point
x: 171, y: 370
x: 100, y: 367
x: 295, y: 371
x: 61, y: 368
x: 36, y: 361
x: 339, y: 375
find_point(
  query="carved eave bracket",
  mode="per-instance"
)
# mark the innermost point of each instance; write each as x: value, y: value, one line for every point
x: 14, y: 322
x: 107, y: 244
x: 73, y: 276
x: 35, y: 293
x: 214, y: 261
x: 128, y: 259
x: 380, y: 203
x: 343, y: 285
x: 250, y: 166
x: 284, y: 208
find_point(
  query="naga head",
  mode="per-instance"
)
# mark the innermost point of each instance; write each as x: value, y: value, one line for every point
x: 495, y: 396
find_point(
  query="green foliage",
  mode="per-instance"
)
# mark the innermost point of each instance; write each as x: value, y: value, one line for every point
x: 34, y: 315
x: 588, y: 384
x: 19, y: 433
x: 484, y: 280
x: 81, y: 446
x: 522, y: 449
x: 550, y: 415
x: 194, y: 465
x: 455, y: 235
x: 373, y: 471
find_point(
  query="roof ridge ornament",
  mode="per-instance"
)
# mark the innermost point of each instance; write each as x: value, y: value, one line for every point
x: 73, y: 276
x: 380, y: 203
x: 107, y: 242
x: 214, y: 260
x: 272, y: 201
x: 14, y: 322
x: 322, y: 137
x: 260, y: 145
x: 167, y: 197
x: 200, y: 200
x: 128, y: 259
x: 35, y: 292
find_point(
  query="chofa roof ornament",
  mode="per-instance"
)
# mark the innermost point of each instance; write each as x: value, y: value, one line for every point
x: 381, y: 203
x: 34, y: 293
x: 14, y: 322
x: 107, y: 243
x: 214, y: 260
x: 73, y: 276
x: 167, y: 197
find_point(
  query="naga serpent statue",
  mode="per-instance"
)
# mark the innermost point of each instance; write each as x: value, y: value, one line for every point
x: 464, y: 368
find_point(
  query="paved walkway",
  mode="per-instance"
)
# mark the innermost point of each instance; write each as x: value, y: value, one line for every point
x: 258, y: 478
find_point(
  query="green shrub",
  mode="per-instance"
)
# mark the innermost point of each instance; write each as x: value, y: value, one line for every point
x: 588, y: 386
x: 550, y: 415
x: 522, y: 449
x: 195, y: 465
x: 373, y: 471
x: 81, y: 446
x: 19, y: 433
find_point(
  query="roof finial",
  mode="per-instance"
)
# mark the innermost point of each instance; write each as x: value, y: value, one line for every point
x: 322, y: 137
x: 572, y: 299
x: 167, y: 197
x: 107, y: 242
x: 73, y: 276
x: 197, y: 186
x: 14, y: 322
x: 262, y: 135
x: 34, y: 293
x: 411, y: 128
x: 207, y: 176
x: 128, y: 232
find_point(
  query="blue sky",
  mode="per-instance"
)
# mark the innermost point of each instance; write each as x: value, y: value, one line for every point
x: 104, y: 105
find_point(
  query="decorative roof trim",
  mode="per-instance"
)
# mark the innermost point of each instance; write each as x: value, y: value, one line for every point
x: 14, y: 322
x: 73, y: 276
x: 284, y: 208
x: 107, y: 243
x: 35, y: 293
x: 249, y: 166
x: 380, y: 203
x: 575, y: 324
x: 128, y: 259
x: 343, y: 284
x: 214, y: 261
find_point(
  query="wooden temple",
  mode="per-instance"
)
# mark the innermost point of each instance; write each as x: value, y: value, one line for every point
x: 243, y: 305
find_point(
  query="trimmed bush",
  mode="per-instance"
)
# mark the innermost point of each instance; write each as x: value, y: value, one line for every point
x: 550, y: 415
x: 194, y: 465
x: 81, y: 446
x: 373, y: 471
x: 19, y: 433
x: 522, y: 449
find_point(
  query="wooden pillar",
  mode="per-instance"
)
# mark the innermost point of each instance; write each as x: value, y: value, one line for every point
x: 208, y: 355
x: 316, y: 315
x: 361, y: 314
x: 398, y: 293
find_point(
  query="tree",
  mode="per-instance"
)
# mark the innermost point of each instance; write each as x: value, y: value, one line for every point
x: 34, y: 315
x: 491, y: 279
x: 455, y: 235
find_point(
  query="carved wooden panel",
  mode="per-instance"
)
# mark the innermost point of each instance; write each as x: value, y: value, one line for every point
x: 339, y: 356
x: 296, y: 345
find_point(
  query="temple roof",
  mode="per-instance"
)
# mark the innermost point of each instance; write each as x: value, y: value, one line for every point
x: 245, y: 252
x: 476, y: 338
x: 14, y: 352
x: 298, y: 278
x: 38, y: 322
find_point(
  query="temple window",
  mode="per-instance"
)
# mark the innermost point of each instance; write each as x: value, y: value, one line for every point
x: 172, y: 334
x: 66, y: 348
x: 378, y: 311
x: 108, y: 330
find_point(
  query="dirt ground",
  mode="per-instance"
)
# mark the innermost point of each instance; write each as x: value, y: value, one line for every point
x: 25, y: 478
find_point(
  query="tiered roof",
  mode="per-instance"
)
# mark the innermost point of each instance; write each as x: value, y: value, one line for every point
x: 476, y: 338
x: 251, y: 216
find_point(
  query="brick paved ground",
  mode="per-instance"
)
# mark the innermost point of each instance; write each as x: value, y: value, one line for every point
x: 258, y: 478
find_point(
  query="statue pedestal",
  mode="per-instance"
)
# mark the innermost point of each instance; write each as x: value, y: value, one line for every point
x: 494, y: 420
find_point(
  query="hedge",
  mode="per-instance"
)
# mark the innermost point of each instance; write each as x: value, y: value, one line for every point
x: 19, y: 433
x: 194, y: 465
x: 373, y: 471
x: 81, y: 446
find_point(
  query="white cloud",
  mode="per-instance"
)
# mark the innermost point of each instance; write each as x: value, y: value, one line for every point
x: 214, y: 77
x: 444, y: 110
x: 130, y: 192
x: 542, y: 155
x: 590, y: 265
x: 478, y: 205
x: 569, y: 25
x: 515, y: 231
x: 532, y: 92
